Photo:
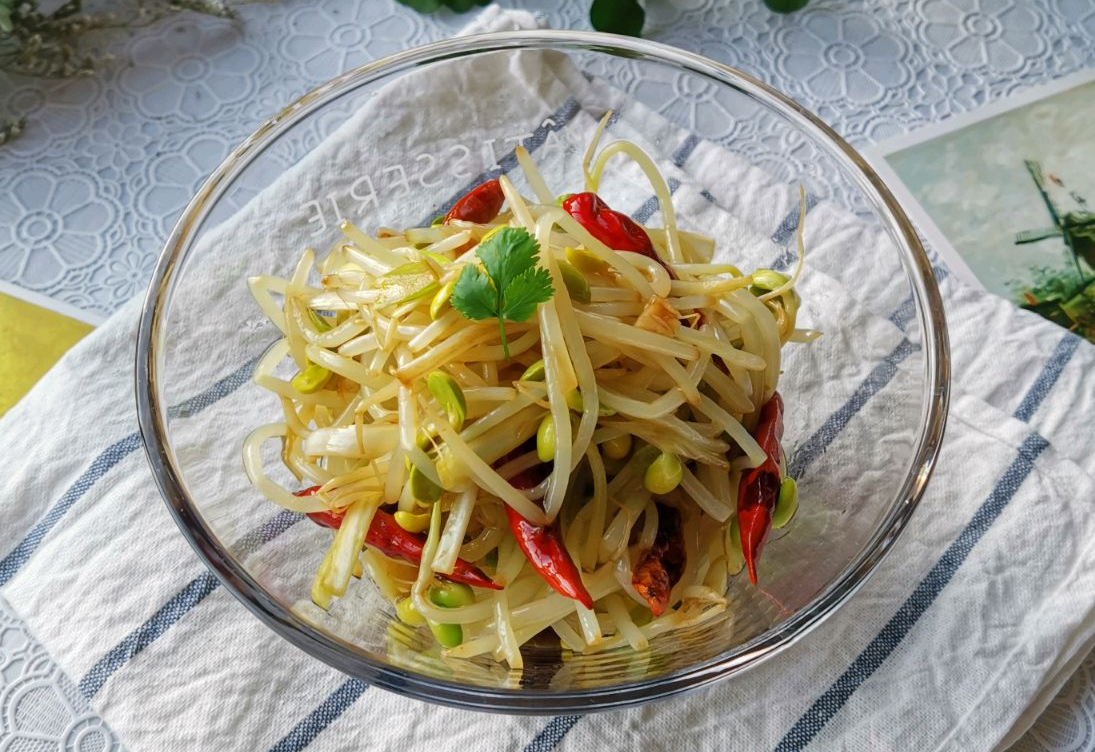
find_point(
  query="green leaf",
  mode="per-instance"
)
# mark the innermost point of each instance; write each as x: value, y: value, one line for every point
x: 525, y: 292
x: 617, y: 17
x: 429, y: 6
x: 512, y: 286
x: 462, y: 6
x: 473, y: 295
x: 422, y: 6
x: 786, y: 6
x: 507, y: 254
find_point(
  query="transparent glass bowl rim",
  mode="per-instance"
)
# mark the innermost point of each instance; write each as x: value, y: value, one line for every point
x: 349, y: 659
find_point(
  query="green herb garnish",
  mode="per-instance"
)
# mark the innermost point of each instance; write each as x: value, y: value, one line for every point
x: 786, y: 6
x: 429, y: 6
x: 513, y: 284
x: 617, y: 16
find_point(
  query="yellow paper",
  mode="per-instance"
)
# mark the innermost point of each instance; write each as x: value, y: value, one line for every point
x: 31, y: 340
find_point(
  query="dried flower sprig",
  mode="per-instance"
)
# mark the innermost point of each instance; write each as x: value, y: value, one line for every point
x: 64, y: 43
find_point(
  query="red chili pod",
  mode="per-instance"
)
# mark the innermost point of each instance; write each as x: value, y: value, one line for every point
x: 544, y: 549
x: 387, y: 537
x: 480, y: 205
x: 759, y: 488
x: 615, y: 229
x: 660, y: 568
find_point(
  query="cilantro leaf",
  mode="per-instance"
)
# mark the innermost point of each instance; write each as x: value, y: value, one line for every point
x: 617, y: 16
x: 507, y: 253
x: 463, y: 6
x: 473, y: 295
x: 786, y: 6
x: 429, y: 6
x: 423, y: 6
x: 513, y: 284
x: 525, y: 292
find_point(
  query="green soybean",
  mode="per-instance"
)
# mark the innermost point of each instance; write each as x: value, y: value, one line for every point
x: 664, y: 474
x: 412, y: 523
x: 786, y: 503
x: 535, y: 372
x: 575, y: 282
x: 545, y: 439
x: 405, y: 610
x: 735, y: 558
x: 577, y: 404
x: 768, y: 279
x: 441, y: 299
x: 423, y: 489
x: 448, y: 635
x: 451, y: 595
x: 311, y: 379
x: 617, y: 448
x: 450, y: 396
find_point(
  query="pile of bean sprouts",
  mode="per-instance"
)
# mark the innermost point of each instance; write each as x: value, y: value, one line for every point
x: 690, y: 386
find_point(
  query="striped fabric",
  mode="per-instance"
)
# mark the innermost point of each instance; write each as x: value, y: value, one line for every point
x: 973, y: 612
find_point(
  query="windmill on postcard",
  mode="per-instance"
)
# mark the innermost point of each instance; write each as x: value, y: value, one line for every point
x: 1073, y: 221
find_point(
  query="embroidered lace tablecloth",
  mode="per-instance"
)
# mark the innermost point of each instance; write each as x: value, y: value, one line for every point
x: 108, y: 162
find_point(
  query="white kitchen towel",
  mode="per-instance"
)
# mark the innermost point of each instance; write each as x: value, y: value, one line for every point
x: 982, y: 601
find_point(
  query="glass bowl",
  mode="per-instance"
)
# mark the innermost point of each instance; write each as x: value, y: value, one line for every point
x: 393, y: 143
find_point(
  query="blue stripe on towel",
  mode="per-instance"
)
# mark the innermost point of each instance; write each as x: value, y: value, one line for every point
x: 811, y: 723
x: 878, y: 378
x: 904, y: 313
x: 102, y: 464
x: 219, y: 390
x: 553, y: 733
x: 785, y: 232
x: 648, y: 207
x: 872, y: 657
x: 684, y: 151
x: 136, y: 641
x: 789, y: 226
x: 186, y: 599
x: 551, y: 124
x: 325, y: 713
x: 809, y: 451
x: 830, y: 703
x: 1048, y: 377
x: 680, y: 156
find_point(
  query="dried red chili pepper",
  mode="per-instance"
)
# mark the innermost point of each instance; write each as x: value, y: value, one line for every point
x: 661, y: 567
x: 387, y: 537
x: 759, y: 488
x: 543, y: 545
x: 615, y: 229
x: 481, y: 204
x: 325, y: 518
